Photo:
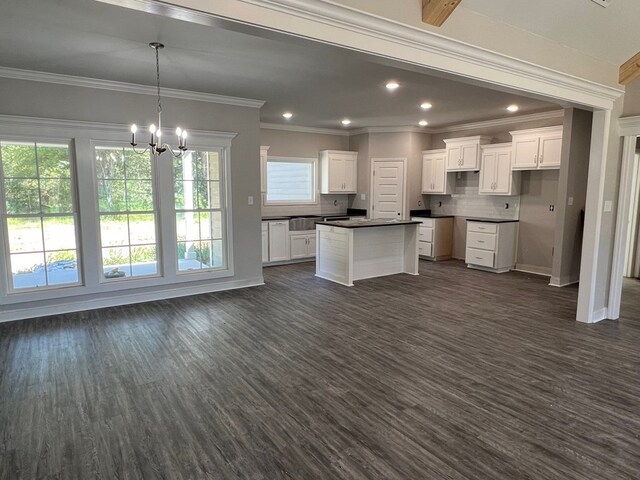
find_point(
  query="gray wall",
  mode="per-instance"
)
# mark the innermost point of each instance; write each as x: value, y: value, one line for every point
x: 572, y: 185
x: 631, y: 99
x: 360, y: 144
x: 284, y: 143
x: 36, y: 99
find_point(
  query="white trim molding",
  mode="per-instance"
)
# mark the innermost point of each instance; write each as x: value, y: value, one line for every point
x: 329, y: 22
x: 86, y: 82
x: 499, y: 122
x: 629, y: 126
x: 301, y: 129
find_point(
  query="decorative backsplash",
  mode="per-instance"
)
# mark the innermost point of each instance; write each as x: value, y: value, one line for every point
x: 466, y: 202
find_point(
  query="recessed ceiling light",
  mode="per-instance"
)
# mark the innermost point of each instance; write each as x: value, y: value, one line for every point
x: 287, y: 115
x: 423, y: 123
x: 426, y: 106
x: 392, y: 85
x: 513, y: 108
x: 346, y: 122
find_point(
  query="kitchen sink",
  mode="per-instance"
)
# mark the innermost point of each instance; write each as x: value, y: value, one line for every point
x: 303, y: 223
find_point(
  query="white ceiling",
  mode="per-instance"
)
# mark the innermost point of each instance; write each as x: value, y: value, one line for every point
x: 611, y: 34
x: 320, y: 84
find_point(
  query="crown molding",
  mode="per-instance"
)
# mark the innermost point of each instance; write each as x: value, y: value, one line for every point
x: 629, y: 126
x: 301, y: 129
x: 499, y: 122
x: 86, y: 82
x: 72, y: 126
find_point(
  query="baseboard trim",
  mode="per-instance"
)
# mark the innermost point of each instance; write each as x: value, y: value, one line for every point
x: 522, y: 267
x: 82, y: 304
x: 556, y: 282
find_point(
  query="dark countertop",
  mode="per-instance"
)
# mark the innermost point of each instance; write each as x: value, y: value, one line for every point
x: 268, y: 219
x: 366, y: 223
x: 490, y: 220
x: 433, y: 216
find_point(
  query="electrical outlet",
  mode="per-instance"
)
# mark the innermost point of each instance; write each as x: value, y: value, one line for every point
x: 603, y: 3
x: 552, y: 208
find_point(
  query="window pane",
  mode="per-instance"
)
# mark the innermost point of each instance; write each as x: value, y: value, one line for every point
x: 25, y: 235
x: 28, y: 270
x: 110, y: 163
x: 214, y: 166
x: 214, y: 194
x: 137, y: 165
x: 114, y: 230
x: 210, y: 225
x: 187, y: 226
x: 111, y: 196
x: 62, y: 267
x: 187, y: 257
x: 143, y: 260
x: 217, y: 258
x: 53, y: 161
x: 56, y: 195
x: 142, y: 229
x: 139, y: 196
x: 116, y: 262
x: 185, y: 195
x: 59, y: 233
x: 290, y: 181
x: 19, y: 160
x: 22, y: 196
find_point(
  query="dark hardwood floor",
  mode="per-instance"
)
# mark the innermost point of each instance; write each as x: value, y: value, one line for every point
x: 455, y: 374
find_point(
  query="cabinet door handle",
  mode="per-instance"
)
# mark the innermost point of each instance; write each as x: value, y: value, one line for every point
x: 480, y: 241
x: 541, y: 157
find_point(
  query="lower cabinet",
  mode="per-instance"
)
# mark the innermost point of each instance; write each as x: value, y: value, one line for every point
x: 302, y: 244
x: 491, y: 246
x: 279, y: 241
x: 435, y: 237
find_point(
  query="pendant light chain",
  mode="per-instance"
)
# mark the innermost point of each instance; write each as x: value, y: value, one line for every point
x: 158, y: 85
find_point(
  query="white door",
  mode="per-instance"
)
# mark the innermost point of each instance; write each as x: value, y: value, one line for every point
x: 336, y: 173
x: 388, y: 189
x: 525, y: 153
x: 454, y: 157
x: 299, y: 246
x: 278, y: 241
x: 550, y: 152
x: 265, y: 242
x: 469, y: 156
x: 311, y: 245
x: 427, y: 175
x: 439, y: 173
x: 350, y: 172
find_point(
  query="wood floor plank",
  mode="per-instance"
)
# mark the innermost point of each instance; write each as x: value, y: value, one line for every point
x: 455, y: 374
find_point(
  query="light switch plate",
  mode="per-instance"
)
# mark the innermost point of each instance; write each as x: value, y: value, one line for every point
x: 363, y: 196
x: 608, y: 205
x: 570, y: 201
x: 603, y: 3
x: 250, y: 200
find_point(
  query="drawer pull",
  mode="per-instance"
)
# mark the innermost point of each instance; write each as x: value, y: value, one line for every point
x: 480, y: 241
x: 478, y: 258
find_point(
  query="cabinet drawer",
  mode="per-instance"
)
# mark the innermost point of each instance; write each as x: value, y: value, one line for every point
x: 482, y: 227
x: 483, y: 258
x: 483, y: 241
x: 426, y: 222
x: 425, y: 249
x: 425, y: 234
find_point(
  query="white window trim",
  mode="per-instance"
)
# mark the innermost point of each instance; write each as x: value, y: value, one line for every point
x: 83, y: 135
x: 316, y: 190
x: 6, y: 283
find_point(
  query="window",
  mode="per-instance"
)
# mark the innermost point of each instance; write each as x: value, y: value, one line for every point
x: 127, y: 213
x: 291, y: 180
x: 200, y: 211
x: 39, y: 214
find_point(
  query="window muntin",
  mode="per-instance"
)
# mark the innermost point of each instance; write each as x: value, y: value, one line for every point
x: 39, y: 215
x: 127, y: 216
x: 291, y: 180
x: 200, y: 211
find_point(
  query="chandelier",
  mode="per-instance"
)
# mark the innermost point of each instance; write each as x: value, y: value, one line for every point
x: 155, y: 143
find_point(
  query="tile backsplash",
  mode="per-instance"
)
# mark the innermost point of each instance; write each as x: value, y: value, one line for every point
x: 466, y: 202
x: 327, y: 204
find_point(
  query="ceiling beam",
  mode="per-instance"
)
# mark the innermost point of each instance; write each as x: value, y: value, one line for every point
x: 630, y: 70
x: 436, y: 12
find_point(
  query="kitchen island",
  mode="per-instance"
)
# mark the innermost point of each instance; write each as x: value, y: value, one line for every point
x: 351, y: 250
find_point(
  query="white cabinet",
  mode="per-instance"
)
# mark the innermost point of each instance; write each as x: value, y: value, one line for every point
x: 463, y: 154
x: 263, y: 168
x: 265, y: 242
x: 491, y: 246
x: 303, y: 244
x: 496, y: 177
x: 538, y: 148
x: 434, y: 173
x: 338, y: 171
x: 279, y: 241
x: 435, y: 237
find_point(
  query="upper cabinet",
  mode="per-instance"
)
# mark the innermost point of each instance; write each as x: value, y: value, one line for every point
x: 539, y: 148
x: 338, y: 171
x: 434, y: 173
x: 263, y: 168
x: 496, y: 177
x: 463, y: 154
